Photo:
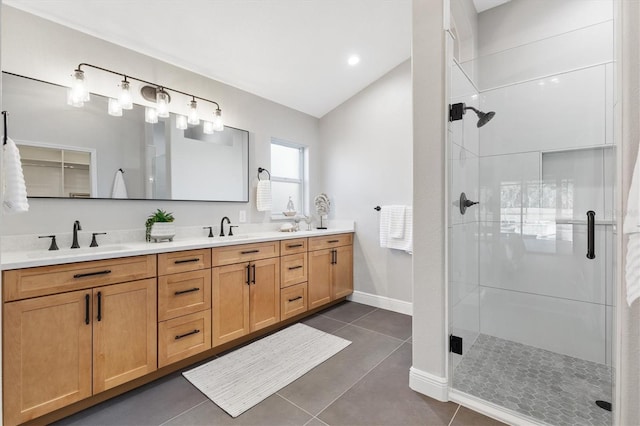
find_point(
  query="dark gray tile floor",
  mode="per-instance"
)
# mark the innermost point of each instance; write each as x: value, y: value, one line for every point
x: 367, y: 383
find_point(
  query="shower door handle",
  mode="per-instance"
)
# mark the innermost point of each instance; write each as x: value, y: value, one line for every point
x: 591, y: 224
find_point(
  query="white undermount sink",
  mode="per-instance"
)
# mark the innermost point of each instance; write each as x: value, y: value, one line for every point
x: 74, y: 252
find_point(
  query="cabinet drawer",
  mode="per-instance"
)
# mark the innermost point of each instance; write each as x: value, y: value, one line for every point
x: 319, y: 243
x: 40, y: 281
x: 293, y: 300
x: 182, y: 261
x: 185, y: 293
x: 244, y: 253
x: 299, y: 245
x: 293, y: 269
x: 182, y: 337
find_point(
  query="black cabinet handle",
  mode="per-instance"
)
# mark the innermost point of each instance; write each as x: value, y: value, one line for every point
x: 333, y: 241
x: 253, y: 268
x: 91, y: 274
x: 177, y: 262
x: 180, y: 336
x: 591, y: 223
x: 291, y: 268
x: 87, y: 319
x: 295, y: 245
x: 295, y: 298
x: 248, y: 274
x: 250, y: 251
x: 191, y: 290
x: 333, y: 257
x: 99, y: 306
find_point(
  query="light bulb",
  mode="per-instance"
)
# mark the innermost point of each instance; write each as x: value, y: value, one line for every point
x: 193, y: 113
x: 124, y: 97
x: 181, y: 122
x: 218, y: 124
x: 162, y: 103
x: 150, y: 115
x: 207, y: 128
x: 114, y: 108
x: 79, y: 90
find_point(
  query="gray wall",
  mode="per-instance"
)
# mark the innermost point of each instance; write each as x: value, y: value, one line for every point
x: 41, y: 49
x: 367, y: 161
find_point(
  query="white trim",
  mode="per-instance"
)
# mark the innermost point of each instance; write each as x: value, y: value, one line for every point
x: 382, y: 302
x: 428, y: 384
x: 492, y: 410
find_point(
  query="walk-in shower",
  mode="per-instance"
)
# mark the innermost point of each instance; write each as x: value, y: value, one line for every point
x: 531, y: 267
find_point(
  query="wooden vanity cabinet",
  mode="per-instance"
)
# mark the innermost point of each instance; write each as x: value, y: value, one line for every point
x: 62, y: 348
x: 330, y: 268
x: 184, y: 304
x: 246, y: 296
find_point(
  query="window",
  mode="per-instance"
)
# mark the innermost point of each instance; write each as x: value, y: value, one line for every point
x: 287, y: 177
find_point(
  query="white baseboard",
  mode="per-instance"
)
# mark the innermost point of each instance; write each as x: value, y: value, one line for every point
x: 428, y: 384
x: 492, y: 410
x: 382, y: 302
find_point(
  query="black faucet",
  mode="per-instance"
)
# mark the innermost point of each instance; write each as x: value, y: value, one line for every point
x: 222, y: 225
x: 76, y: 228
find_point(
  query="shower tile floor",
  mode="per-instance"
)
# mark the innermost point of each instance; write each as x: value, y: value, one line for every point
x: 549, y: 387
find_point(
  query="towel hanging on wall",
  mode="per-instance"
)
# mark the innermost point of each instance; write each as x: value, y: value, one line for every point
x: 389, y: 227
x: 119, y: 187
x: 14, y: 187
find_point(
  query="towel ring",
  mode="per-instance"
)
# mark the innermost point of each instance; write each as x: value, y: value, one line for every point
x: 120, y: 170
x: 260, y: 170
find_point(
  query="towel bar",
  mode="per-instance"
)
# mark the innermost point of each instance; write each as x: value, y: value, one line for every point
x: 377, y: 208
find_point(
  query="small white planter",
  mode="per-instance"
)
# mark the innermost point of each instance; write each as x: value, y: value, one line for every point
x: 162, y: 231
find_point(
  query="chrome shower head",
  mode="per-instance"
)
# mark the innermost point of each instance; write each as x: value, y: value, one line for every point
x: 483, y: 117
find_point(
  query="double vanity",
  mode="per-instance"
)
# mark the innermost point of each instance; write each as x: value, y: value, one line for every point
x: 81, y: 327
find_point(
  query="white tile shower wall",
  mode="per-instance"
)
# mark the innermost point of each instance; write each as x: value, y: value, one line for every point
x: 563, y: 111
x: 464, y: 171
x: 565, y: 326
x: 546, y: 57
x: 463, y: 257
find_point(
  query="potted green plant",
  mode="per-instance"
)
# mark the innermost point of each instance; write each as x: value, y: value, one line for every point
x: 160, y: 226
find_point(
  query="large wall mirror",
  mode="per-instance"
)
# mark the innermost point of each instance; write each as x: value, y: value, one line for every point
x: 72, y: 152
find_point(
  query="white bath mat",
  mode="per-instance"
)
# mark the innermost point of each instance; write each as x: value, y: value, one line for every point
x: 243, y: 378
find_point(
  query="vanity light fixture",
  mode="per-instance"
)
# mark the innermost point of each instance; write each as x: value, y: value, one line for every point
x: 150, y: 115
x: 115, y: 108
x: 181, y: 122
x: 124, y: 97
x: 207, y: 128
x: 218, y: 125
x: 78, y: 94
x: 193, y: 113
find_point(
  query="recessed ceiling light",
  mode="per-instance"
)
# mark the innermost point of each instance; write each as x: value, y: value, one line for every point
x: 353, y: 60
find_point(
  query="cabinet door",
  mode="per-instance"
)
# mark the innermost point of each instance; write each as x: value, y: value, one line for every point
x: 264, y: 299
x: 230, y: 304
x: 342, y: 274
x: 47, y: 354
x: 320, y: 270
x: 124, y: 333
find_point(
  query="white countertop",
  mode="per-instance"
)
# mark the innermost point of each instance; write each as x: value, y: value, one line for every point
x: 31, y: 258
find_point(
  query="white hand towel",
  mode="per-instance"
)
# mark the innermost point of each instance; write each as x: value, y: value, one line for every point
x: 631, y: 227
x: 263, y: 196
x: 15, y: 189
x: 396, y: 221
x: 119, y: 187
x: 406, y: 242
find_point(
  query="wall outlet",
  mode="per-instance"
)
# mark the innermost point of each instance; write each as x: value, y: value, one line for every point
x: 242, y: 216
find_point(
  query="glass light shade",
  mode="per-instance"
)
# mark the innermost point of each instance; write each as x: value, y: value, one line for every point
x: 181, y: 122
x: 207, y: 128
x: 193, y: 113
x: 73, y: 102
x: 79, y: 90
x: 162, y: 103
x: 218, y: 124
x: 114, y: 108
x: 124, y: 97
x: 150, y: 115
